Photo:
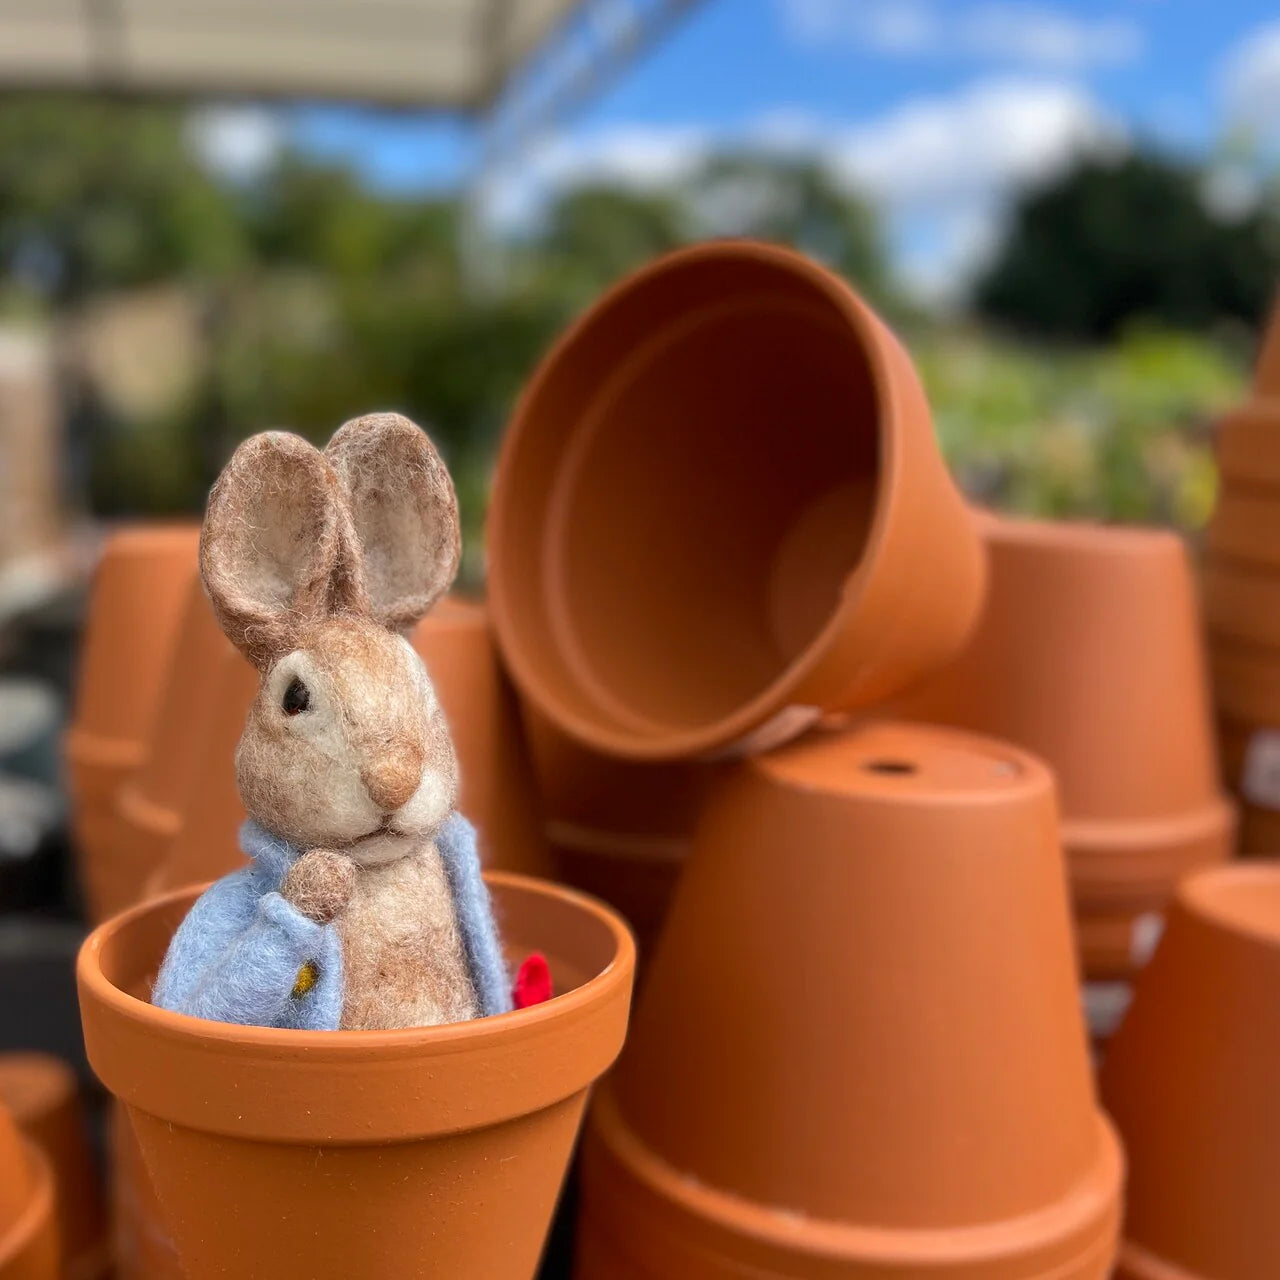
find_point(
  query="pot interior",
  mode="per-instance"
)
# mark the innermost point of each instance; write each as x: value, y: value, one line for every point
x: 533, y: 916
x: 706, y: 464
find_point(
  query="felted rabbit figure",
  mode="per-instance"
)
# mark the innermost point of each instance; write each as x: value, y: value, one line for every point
x: 363, y: 906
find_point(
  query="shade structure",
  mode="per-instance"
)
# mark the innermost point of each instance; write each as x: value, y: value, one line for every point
x: 455, y: 54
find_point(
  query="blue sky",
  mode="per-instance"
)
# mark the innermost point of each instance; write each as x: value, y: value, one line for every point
x: 939, y: 109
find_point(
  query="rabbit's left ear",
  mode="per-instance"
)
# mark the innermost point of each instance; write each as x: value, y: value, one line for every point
x: 405, y: 512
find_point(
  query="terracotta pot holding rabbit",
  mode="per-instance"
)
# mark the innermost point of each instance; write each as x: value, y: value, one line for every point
x: 859, y: 1051
x: 457, y: 1136
x: 1190, y: 1080
x: 712, y: 509
x: 1090, y: 653
x: 135, y: 605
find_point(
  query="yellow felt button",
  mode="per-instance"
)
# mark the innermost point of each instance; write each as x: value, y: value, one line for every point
x: 305, y: 980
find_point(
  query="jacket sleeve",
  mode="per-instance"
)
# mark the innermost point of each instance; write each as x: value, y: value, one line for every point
x: 237, y: 958
x: 457, y: 844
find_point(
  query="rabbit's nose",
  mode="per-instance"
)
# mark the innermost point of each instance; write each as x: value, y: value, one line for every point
x: 393, y: 775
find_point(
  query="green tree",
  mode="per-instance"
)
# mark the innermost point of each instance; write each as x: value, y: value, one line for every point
x: 792, y: 202
x: 1112, y: 241
x: 101, y: 195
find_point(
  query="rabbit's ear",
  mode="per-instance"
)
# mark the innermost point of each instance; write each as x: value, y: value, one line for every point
x: 278, y: 550
x: 405, y: 512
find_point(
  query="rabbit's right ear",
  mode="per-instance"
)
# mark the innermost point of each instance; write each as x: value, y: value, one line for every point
x: 278, y: 550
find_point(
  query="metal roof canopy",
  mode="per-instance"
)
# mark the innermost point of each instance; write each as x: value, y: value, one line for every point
x: 447, y: 54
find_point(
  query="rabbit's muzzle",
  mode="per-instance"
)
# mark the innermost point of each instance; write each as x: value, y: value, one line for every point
x: 393, y: 775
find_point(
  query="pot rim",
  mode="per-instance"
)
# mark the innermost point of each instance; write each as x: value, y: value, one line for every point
x: 1137, y: 1263
x: 1114, y: 538
x: 1088, y: 1212
x: 884, y: 361
x: 39, y: 1209
x: 460, y: 1053
x: 1196, y: 896
x: 1131, y: 859
x: 83, y: 746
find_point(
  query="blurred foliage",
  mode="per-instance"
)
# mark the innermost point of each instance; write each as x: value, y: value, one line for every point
x: 1121, y: 432
x: 1111, y: 241
x: 305, y: 297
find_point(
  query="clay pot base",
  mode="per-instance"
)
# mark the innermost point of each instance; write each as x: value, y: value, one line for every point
x: 827, y: 1076
x: 457, y: 1136
x: 644, y: 1220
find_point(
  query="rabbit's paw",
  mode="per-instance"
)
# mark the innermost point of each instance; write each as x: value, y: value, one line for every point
x: 319, y: 884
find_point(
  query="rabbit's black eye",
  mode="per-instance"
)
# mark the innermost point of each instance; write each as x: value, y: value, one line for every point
x: 296, y: 697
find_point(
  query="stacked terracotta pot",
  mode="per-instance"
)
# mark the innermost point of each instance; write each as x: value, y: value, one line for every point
x: 42, y: 1096
x: 28, y: 1225
x: 1190, y: 1081
x: 1090, y: 654
x: 135, y: 606
x: 720, y: 528
x: 1242, y: 602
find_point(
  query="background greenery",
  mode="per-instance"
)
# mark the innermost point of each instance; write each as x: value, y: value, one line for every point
x: 1115, y: 320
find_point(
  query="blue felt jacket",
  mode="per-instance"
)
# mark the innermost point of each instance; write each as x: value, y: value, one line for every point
x: 236, y: 956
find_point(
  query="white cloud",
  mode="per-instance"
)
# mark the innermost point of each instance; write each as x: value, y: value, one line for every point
x: 1006, y: 31
x: 989, y: 137
x: 235, y: 142
x: 941, y: 169
x: 638, y: 157
x: 1251, y: 79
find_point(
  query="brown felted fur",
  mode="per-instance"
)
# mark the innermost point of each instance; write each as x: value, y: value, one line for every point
x: 405, y: 512
x: 319, y: 884
x: 403, y: 958
x: 277, y: 549
x: 313, y: 563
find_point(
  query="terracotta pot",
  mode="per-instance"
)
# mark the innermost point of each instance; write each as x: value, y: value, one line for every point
x: 1246, y: 680
x: 1190, y: 1080
x: 1266, y: 379
x: 201, y: 712
x: 1089, y: 654
x: 1251, y: 768
x: 712, y: 508
x: 498, y: 791
x: 28, y: 1227
x: 135, y: 604
x: 141, y: 1241
x: 618, y: 829
x: 1247, y: 445
x: 457, y: 1136
x: 204, y: 845
x: 1241, y: 602
x: 860, y: 1050
x: 43, y: 1097
x: 1246, y: 526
